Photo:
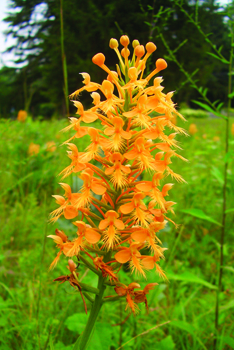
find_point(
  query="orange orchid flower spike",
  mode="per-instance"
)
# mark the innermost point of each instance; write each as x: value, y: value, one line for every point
x: 118, y: 191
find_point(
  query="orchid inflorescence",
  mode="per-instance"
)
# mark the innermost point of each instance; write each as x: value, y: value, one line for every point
x: 117, y: 212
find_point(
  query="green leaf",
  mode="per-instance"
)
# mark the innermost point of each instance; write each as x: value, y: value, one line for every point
x: 218, y: 175
x: 229, y: 210
x: 229, y: 268
x: 101, y: 338
x: 218, y: 58
x: 231, y: 95
x: 76, y: 322
x: 51, y: 344
x: 229, y: 341
x: 228, y: 306
x: 166, y: 344
x: 184, y: 326
x: 198, y: 213
x: 209, y: 109
x: 188, y: 277
x: 228, y: 157
x: 220, y: 105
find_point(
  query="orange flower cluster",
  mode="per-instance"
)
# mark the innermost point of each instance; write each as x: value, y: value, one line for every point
x: 117, y: 213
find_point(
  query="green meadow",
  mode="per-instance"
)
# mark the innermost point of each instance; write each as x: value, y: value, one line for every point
x: 37, y: 313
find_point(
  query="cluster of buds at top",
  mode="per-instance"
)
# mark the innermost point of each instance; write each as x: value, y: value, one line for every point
x: 117, y: 213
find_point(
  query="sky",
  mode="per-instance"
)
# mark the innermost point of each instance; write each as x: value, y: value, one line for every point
x: 7, y: 59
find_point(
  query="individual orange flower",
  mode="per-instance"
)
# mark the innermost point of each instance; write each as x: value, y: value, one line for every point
x: 50, y: 146
x: 111, y: 100
x: 192, y: 129
x: 67, y: 207
x: 133, y: 73
x: 156, y: 194
x: 140, y: 114
x: 97, y: 143
x: 141, y: 154
x: 136, y: 207
x: 22, y: 116
x: 33, y: 149
x: 80, y: 130
x: 88, y: 85
x: 85, y: 233
x: 118, y: 135
x: 76, y: 164
x: 90, y: 183
x: 140, y: 295
x: 118, y: 171
x: 132, y: 255
x: 128, y: 291
x: 232, y: 129
x: 150, y: 261
x: 62, y: 243
x: 105, y: 269
x: 110, y: 225
x: 141, y: 235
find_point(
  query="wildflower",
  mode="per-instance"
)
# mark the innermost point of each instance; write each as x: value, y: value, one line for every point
x: 33, y: 149
x: 50, y: 146
x: 62, y: 243
x: 232, y: 129
x: 72, y: 279
x: 111, y: 224
x: 118, y: 172
x: 117, y: 212
x: 106, y: 270
x: 192, y: 129
x: 22, y: 116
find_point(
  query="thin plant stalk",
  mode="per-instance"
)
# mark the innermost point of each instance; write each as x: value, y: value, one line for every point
x: 224, y: 215
x: 64, y: 61
x: 194, y: 85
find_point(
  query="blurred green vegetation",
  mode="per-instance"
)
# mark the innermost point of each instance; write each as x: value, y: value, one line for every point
x: 34, y: 309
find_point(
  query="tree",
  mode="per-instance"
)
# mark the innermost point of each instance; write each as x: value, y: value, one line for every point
x: 88, y: 25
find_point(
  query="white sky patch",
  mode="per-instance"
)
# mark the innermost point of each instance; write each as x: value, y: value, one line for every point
x: 7, y: 59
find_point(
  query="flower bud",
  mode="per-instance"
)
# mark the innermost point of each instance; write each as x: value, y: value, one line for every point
x: 150, y: 47
x: 71, y: 265
x: 139, y: 51
x: 124, y: 40
x: 61, y: 234
x: 135, y: 43
x: 99, y: 59
x: 132, y: 73
x: 110, y: 77
x: 113, y: 43
x: 125, y: 52
x: 161, y: 64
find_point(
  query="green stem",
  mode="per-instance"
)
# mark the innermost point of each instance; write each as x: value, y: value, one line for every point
x: 82, y: 341
x: 221, y: 262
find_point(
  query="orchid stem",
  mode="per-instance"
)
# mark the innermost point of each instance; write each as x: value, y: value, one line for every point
x: 82, y: 341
